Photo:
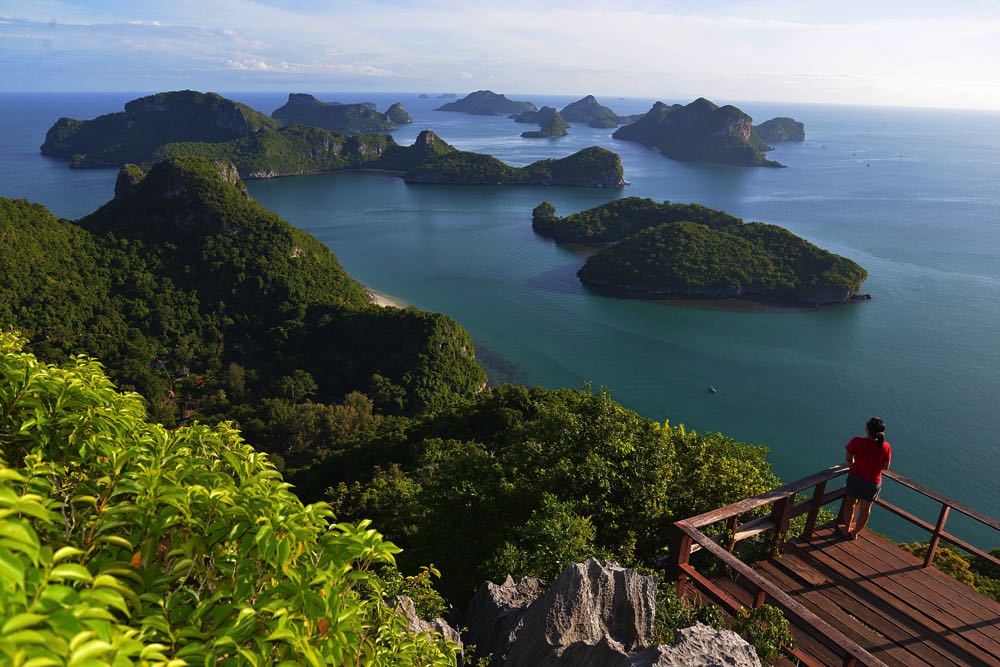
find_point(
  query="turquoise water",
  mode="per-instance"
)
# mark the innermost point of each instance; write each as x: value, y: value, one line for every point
x: 912, y: 195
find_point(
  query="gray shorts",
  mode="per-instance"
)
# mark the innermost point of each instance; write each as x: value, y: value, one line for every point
x: 862, y: 489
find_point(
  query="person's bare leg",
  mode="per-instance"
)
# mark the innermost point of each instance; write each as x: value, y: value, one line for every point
x: 864, y: 512
x: 847, y: 514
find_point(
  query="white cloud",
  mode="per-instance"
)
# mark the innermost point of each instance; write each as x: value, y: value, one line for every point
x: 466, y: 75
x: 251, y: 64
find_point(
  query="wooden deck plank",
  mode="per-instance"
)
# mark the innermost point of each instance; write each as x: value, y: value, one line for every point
x: 872, y: 640
x: 895, y: 633
x: 855, y: 572
x: 983, y: 606
x: 948, y: 601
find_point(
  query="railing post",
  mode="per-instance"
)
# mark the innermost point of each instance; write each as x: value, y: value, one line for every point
x: 817, y: 498
x: 733, y: 524
x: 680, y: 553
x: 936, y: 535
x: 759, y: 598
x: 781, y: 515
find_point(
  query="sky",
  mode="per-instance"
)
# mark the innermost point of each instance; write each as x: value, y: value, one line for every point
x: 944, y: 53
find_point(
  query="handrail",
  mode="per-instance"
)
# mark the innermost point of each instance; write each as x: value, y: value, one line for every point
x: 742, y: 506
x: 687, y: 538
x: 930, y: 493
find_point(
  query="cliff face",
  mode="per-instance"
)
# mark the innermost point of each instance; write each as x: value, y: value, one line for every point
x: 699, y: 132
x: 346, y: 118
x: 146, y: 123
x: 487, y: 103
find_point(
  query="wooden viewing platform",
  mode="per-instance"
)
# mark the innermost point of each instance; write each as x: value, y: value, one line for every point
x: 864, y: 602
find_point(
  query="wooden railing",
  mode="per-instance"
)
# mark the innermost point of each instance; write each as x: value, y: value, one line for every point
x: 937, y: 530
x: 688, y: 537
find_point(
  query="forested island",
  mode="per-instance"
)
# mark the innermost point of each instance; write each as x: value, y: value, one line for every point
x: 687, y: 250
x: 203, y: 301
x: 342, y: 118
x: 185, y: 124
x: 588, y: 110
x: 487, y: 103
x: 699, y: 132
x: 591, y: 167
x: 781, y: 129
x: 549, y: 120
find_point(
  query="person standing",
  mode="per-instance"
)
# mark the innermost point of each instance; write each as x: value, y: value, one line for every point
x: 868, y: 457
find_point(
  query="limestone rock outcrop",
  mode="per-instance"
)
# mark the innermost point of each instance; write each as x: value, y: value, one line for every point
x: 405, y: 607
x: 593, y: 615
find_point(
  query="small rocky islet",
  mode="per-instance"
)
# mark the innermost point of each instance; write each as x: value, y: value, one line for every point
x: 487, y: 103
x: 357, y: 118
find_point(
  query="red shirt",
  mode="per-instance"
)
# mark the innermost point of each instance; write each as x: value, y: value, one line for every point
x: 869, y: 458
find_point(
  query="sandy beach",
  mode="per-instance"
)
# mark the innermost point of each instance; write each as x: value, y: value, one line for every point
x: 384, y: 300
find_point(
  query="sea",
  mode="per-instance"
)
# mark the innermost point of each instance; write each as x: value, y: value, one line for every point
x: 913, y: 195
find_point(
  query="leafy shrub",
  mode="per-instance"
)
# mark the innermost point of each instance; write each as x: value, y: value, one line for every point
x: 126, y: 543
x: 767, y: 630
x: 674, y: 613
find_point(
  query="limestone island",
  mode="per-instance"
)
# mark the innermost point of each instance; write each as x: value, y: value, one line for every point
x: 551, y: 122
x: 189, y: 124
x: 699, y: 132
x: 672, y: 250
x: 347, y: 118
x: 781, y: 129
x: 588, y: 110
x: 592, y: 167
x: 487, y: 103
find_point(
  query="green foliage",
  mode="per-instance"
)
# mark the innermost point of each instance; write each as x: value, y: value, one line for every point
x: 522, y: 478
x: 767, y: 630
x: 621, y: 218
x: 699, y: 131
x: 552, y: 537
x: 203, y: 301
x: 390, y: 583
x: 674, y: 613
x: 127, y: 543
